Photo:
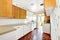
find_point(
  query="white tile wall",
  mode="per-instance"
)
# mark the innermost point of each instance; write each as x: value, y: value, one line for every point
x: 55, y: 24
x: 49, y: 11
x: 46, y: 28
x: 11, y: 21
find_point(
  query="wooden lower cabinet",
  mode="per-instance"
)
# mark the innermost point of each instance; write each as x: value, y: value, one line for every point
x: 18, y: 13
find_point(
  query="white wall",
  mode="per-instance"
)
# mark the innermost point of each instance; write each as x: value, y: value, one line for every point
x: 46, y: 28
x: 11, y: 21
x: 58, y: 30
x: 55, y: 22
x: 30, y: 17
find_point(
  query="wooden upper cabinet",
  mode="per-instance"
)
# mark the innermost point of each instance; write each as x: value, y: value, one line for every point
x: 9, y: 11
x: 6, y: 8
x: 22, y: 13
x: 49, y: 3
x: 18, y: 13
x: 15, y: 12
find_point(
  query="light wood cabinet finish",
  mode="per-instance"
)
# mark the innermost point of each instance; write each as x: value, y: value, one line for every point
x: 15, y: 12
x: 9, y: 11
x: 49, y: 3
x: 19, y: 13
x: 6, y: 8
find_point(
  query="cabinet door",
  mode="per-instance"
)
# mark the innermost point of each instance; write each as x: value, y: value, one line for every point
x: 49, y: 3
x: 18, y: 13
x: 26, y: 29
x: 15, y: 11
x: 19, y: 32
x: 22, y: 13
x: 6, y: 8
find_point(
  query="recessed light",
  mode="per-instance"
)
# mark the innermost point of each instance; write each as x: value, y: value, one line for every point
x: 41, y: 4
x: 32, y: 4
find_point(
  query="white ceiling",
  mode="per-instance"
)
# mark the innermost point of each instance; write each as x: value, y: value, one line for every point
x: 31, y: 5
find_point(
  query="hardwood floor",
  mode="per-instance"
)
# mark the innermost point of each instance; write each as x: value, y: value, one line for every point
x: 36, y: 35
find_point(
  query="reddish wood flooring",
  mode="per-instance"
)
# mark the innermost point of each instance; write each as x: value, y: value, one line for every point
x: 33, y: 36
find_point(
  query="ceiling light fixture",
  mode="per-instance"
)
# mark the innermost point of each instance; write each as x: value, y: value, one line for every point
x: 41, y: 4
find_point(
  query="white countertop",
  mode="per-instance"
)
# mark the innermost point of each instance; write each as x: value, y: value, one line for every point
x: 6, y: 29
